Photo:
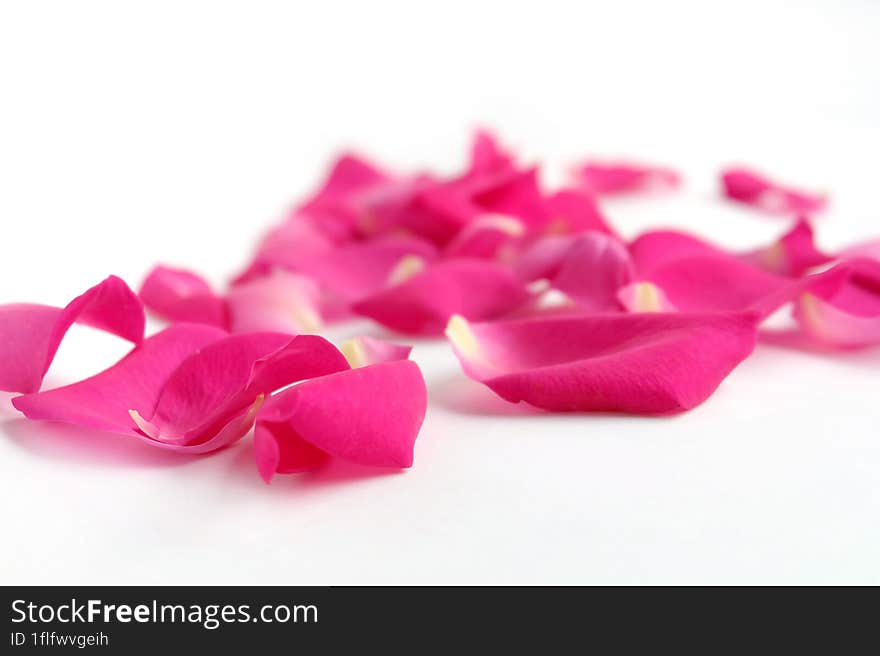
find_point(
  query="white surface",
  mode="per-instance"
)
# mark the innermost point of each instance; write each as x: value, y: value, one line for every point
x: 176, y: 132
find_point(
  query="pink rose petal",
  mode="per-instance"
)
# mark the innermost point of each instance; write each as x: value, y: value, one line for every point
x: 487, y: 156
x: 608, y: 178
x: 593, y: 270
x: 636, y: 363
x: 30, y: 334
x: 370, y: 416
x: 181, y: 295
x: 572, y: 211
x: 491, y: 236
x: 657, y: 247
x: 793, y: 254
x: 842, y: 306
x: 752, y: 188
x: 189, y: 388
x: 477, y: 289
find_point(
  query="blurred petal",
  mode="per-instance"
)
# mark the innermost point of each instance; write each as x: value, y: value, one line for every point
x: 644, y: 297
x: 280, y: 301
x: 607, y: 178
x: 490, y: 236
x: 842, y: 306
x: 30, y: 334
x: 593, y: 270
x: 752, y: 188
x: 370, y: 416
x: 793, y: 254
x: 363, y: 351
x: 181, y: 295
x: 477, y: 289
x: 572, y: 211
x: 637, y: 363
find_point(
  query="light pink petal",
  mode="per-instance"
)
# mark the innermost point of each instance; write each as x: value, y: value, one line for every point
x: 593, y: 271
x: 30, y: 334
x: 490, y: 236
x: 636, y: 363
x: 572, y: 211
x: 278, y: 302
x: 362, y: 351
x: 608, y: 178
x: 477, y: 289
x: 793, y: 254
x: 181, y: 295
x: 867, y: 249
x: 842, y: 306
x: 752, y: 188
x: 368, y: 416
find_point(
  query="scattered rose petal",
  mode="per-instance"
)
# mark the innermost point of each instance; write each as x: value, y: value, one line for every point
x: 752, y: 188
x: 570, y: 211
x: 793, y: 254
x: 181, y: 295
x: 281, y: 301
x: 593, y: 270
x: 188, y: 388
x: 31, y: 334
x: 608, y: 178
x: 490, y: 236
x: 369, y: 416
x: 477, y: 289
x: 636, y: 363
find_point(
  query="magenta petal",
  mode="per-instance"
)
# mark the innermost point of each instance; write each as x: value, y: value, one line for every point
x: 637, y: 363
x: 369, y: 416
x: 363, y: 351
x: 793, y: 254
x: 104, y: 400
x: 752, y: 188
x: 220, y: 382
x: 706, y: 283
x: 489, y: 236
x: 278, y: 302
x: 657, y: 247
x: 519, y: 196
x: 487, y: 156
x: 30, y: 334
x: 572, y: 211
x: 606, y: 178
x: 181, y: 295
x: 477, y: 289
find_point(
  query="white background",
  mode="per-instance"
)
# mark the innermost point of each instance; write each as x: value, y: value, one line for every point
x: 132, y: 133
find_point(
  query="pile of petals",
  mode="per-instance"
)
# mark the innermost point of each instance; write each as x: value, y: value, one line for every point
x: 540, y: 297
